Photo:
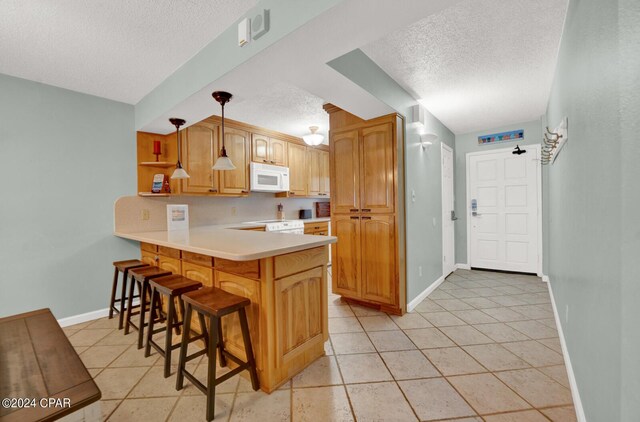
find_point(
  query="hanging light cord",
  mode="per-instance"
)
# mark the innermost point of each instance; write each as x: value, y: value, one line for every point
x: 178, y: 140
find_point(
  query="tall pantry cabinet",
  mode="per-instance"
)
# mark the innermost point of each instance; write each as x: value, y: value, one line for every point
x: 367, y: 209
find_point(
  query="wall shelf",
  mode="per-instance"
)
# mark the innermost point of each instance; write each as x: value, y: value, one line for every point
x: 153, y: 194
x: 163, y: 164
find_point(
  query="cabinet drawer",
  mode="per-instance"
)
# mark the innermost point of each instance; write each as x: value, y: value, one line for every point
x: 196, y: 258
x: 170, y: 252
x: 170, y: 264
x: 149, y: 247
x: 250, y: 269
x: 296, y: 262
x: 198, y: 273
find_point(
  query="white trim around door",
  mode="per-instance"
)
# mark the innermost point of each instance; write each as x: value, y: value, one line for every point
x: 448, y: 210
x: 538, y: 167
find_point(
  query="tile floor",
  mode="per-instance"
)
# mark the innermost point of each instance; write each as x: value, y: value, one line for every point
x: 483, y: 346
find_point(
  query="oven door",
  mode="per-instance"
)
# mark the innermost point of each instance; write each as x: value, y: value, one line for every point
x: 266, y: 178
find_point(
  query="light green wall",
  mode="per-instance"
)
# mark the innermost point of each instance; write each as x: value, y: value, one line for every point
x: 468, y: 142
x: 223, y: 54
x: 422, y: 172
x: 66, y: 157
x: 594, y: 228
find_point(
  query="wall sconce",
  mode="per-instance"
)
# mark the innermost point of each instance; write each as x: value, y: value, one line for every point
x: 427, y: 139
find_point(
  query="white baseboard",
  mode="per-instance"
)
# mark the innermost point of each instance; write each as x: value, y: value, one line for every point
x: 577, y: 403
x: 89, y: 316
x: 463, y: 266
x: 545, y: 278
x: 415, y: 302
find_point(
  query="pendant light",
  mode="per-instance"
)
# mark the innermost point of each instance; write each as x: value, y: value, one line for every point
x: 179, y: 172
x: 223, y: 162
x: 313, y: 138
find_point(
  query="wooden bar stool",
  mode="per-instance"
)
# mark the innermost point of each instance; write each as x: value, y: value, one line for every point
x: 171, y: 286
x: 141, y: 277
x: 121, y: 267
x: 214, y: 303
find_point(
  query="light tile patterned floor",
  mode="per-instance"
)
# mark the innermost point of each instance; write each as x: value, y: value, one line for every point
x: 483, y: 346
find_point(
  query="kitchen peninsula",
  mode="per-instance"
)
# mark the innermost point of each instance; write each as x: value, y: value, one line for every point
x: 284, y: 276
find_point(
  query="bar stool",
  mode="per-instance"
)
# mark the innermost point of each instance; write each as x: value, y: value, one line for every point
x: 214, y: 303
x: 140, y: 277
x: 171, y: 286
x: 121, y: 267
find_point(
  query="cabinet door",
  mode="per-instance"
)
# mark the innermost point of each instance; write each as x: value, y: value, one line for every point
x: 313, y: 172
x: 250, y: 289
x: 324, y: 173
x: 149, y: 258
x: 259, y: 148
x: 345, y: 172
x: 198, y: 273
x: 377, y: 172
x: 379, y: 272
x: 169, y: 264
x: 199, y: 147
x: 300, y: 302
x: 346, y: 255
x: 237, y: 145
x: 297, y: 155
x: 277, y: 152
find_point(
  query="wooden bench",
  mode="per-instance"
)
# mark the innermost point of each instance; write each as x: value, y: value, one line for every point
x: 38, y: 361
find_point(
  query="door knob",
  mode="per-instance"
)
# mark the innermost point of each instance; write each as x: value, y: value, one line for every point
x: 453, y: 215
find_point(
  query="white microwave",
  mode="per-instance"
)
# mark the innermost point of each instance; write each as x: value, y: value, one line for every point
x: 268, y: 178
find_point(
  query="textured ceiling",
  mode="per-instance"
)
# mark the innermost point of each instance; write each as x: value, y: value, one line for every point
x: 116, y: 49
x: 479, y: 64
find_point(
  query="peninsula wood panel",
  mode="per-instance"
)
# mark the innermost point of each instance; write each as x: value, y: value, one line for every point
x: 298, y: 174
x: 346, y: 259
x: 237, y: 146
x: 377, y: 170
x: 345, y: 163
x: 199, y: 150
x: 299, y: 311
x: 378, y: 274
x: 250, y: 289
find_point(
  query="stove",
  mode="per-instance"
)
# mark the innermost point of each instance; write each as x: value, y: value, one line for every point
x: 284, y: 226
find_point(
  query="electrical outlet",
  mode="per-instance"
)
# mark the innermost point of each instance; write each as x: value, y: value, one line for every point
x: 566, y: 314
x: 145, y: 214
x: 234, y: 211
x: 420, y: 270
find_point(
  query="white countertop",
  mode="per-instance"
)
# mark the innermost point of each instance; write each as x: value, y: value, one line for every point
x: 223, y: 241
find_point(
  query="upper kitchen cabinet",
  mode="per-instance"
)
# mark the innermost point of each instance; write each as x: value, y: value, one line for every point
x: 377, y: 172
x: 324, y: 174
x: 297, y: 156
x: 318, y: 172
x: 199, y: 151
x: 268, y: 150
x: 345, y: 164
x: 236, y: 182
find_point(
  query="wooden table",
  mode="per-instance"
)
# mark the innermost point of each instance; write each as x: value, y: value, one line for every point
x: 37, y: 361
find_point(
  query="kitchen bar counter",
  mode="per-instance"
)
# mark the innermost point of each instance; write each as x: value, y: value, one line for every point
x: 284, y: 276
x: 230, y: 241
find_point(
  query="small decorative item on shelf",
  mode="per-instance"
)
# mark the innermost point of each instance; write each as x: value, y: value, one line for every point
x: 157, y: 149
x: 160, y: 184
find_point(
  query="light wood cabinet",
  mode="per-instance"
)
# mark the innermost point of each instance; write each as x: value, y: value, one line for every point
x: 366, y: 176
x: 198, y: 273
x: 319, y: 228
x: 232, y: 334
x: 345, y: 172
x: 268, y: 150
x: 237, y: 146
x: 313, y: 172
x: 170, y: 264
x: 149, y: 258
x: 297, y: 156
x: 324, y: 174
x: 199, y: 150
x: 300, y: 307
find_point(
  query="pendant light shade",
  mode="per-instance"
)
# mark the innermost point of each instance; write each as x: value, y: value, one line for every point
x: 223, y: 162
x: 313, y: 138
x: 179, y: 172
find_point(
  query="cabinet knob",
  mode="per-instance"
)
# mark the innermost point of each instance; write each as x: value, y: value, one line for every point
x: 366, y: 210
x: 355, y: 217
x: 366, y: 218
x: 354, y: 210
x: 272, y: 162
x: 245, y: 191
x: 292, y: 193
x: 265, y: 161
x: 213, y: 190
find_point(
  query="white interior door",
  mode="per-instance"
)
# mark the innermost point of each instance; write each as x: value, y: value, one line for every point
x: 504, y: 229
x: 448, y: 215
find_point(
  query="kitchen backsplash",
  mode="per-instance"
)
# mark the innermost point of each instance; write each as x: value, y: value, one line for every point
x: 130, y: 211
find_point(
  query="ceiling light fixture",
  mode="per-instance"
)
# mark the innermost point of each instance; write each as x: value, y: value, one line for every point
x: 223, y: 162
x: 179, y: 172
x: 313, y: 138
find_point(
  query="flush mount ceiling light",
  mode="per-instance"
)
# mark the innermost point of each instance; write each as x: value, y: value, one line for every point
x: 313, y: 138
x: 179, y: 172
x: 427, y: 139
x: 223, y: 162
